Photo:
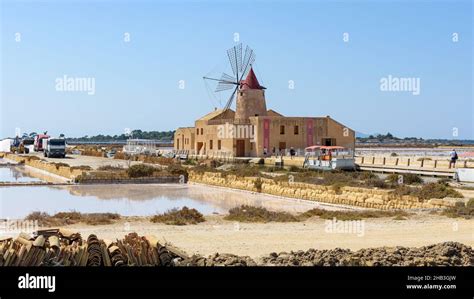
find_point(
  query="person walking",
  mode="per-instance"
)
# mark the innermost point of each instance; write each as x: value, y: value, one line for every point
x: 292, y: 153
x: 454, y: 157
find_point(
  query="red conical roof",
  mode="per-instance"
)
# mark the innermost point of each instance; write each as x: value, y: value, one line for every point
x: 251, y: 81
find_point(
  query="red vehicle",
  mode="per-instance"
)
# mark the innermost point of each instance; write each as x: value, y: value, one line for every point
x: 38, y: 144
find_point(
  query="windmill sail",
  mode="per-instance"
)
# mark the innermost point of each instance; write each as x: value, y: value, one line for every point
x: 235, y: 58
x: 249, y: 59
x: 240, y: 68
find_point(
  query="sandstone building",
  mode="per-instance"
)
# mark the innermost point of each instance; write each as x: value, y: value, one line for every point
x: 255, y: 131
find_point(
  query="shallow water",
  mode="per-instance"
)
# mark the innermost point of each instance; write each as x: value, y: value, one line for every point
x: 16, y: 174
x: 135, y: 200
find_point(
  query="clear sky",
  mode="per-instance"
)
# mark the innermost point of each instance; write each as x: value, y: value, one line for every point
x: 137, y: 83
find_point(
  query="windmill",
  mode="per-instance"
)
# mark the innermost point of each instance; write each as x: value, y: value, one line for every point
x: 240, y: 68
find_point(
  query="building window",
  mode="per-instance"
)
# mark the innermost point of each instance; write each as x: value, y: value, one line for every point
x: 210, y: 144
x: 282, y: 130
x: 297, y: 130
x: 197, y: 131
x: 202, y: 131
x: 218, y: 144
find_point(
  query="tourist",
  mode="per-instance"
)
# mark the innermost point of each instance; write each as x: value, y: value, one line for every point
x: 292, y: 152
x: 454, y: 157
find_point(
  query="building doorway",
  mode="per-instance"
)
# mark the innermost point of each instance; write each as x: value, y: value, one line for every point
x: 240, y: 148
x: 199, y: 147
x: 329, y: 141
x: 282, y: 146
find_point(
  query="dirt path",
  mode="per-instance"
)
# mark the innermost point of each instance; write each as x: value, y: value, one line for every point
x: 255, y: 240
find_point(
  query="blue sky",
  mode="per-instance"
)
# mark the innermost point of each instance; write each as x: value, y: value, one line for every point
x: 137, y: 82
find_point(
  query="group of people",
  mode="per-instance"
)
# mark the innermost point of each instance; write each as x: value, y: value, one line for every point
x: 280, y: 151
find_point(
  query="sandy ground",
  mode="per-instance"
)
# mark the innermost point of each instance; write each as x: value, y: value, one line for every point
x: 257, y: 239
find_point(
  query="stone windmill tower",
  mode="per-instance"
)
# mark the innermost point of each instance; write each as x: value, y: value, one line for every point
x: 249, y: 93
x: 250, y: 98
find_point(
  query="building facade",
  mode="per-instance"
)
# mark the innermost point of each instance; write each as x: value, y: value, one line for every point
x: 254, y: 131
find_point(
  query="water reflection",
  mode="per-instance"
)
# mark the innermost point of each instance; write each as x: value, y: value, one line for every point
x: 134, y: 200
x: 16, y: 174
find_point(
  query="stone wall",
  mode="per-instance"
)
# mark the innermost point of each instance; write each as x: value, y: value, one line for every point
x: 355, y: 196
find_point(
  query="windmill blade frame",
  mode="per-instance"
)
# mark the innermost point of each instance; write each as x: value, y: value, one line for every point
x: 249, y: 59
x: 240, y: 68
x: 235, y: 58
x: 231, y: 99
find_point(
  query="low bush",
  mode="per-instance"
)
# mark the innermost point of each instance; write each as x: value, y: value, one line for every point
x: 437, y: 190
x: 190, y: 162
x: 376, y: 182
x: 176, y: 169
x: 408, y: 178
x: 428, y: 191
x: 140, y: 170
x: 351, y: 215
x: 402, y: 190
x: 258, y: 184
x: 337, y: 187
x: 294, y: 169
x: 461, y: 210
x: 364, y: 175
x: 246, y: 213
x: 183, y: 216
x: 110, y: 168
x: 67, y: 218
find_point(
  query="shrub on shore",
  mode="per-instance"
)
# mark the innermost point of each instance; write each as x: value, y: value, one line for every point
x: 258, y: 184
x: 437, y: 190
x: 428, y: 191
x: 67, y: 218
x: 177, y: 169
x: 408, y: 178
x: 183, y: 216
x: 461, y: 210
x: 110, y: 168
x: 351, y: 215
x: 140, y: 170
x: 246, y: 213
